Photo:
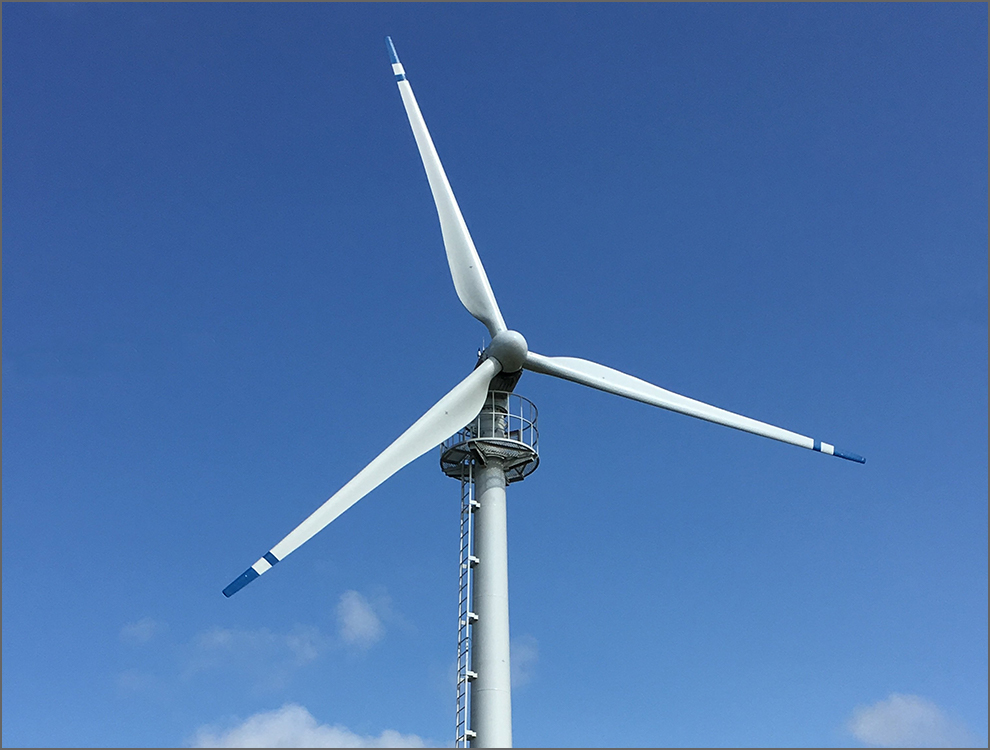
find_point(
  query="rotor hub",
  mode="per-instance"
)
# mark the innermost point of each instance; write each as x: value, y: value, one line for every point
x: 510, y: 349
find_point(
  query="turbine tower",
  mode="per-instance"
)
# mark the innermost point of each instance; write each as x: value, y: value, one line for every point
x: 489, y: 439
x: 498, y: 447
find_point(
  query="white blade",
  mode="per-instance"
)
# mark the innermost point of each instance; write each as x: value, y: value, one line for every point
x: 450, y: 414
x: 469, y: 276
x: 612, y: 381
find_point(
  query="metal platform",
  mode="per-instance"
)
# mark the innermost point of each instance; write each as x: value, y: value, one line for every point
x: 505, y: 430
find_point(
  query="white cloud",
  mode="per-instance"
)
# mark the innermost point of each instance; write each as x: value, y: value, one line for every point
x: 294, y: 726
x: 524, y: 652
x: 359, y: 624
x: 907, y: 721
x: 141, y: 631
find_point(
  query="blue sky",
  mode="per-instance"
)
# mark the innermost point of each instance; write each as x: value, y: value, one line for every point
x: 226, y: 292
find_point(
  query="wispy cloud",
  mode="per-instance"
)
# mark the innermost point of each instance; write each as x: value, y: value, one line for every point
x: 260, y: 659
x: 142, y: 631
x: 301, y: 644
x: 294, y: 726
x: 305, y: 644
x: 359, y: 623
x: 524, y: 652
x: 907, y: 721
x: 265, y: 657
x: 135, y: 681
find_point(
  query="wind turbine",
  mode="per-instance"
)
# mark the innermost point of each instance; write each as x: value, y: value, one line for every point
x: 483, y: 392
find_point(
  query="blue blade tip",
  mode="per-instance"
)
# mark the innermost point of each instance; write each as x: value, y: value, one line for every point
x: 849, y: 456
x: 391, y: 50
x: 240, y: 582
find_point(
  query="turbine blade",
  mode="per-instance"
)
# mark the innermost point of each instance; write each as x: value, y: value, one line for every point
x: 469, y: 276
x: 450, y: 414
x: 612, y: 381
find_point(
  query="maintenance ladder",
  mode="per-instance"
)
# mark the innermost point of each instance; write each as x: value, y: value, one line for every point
x: 465, y: 617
